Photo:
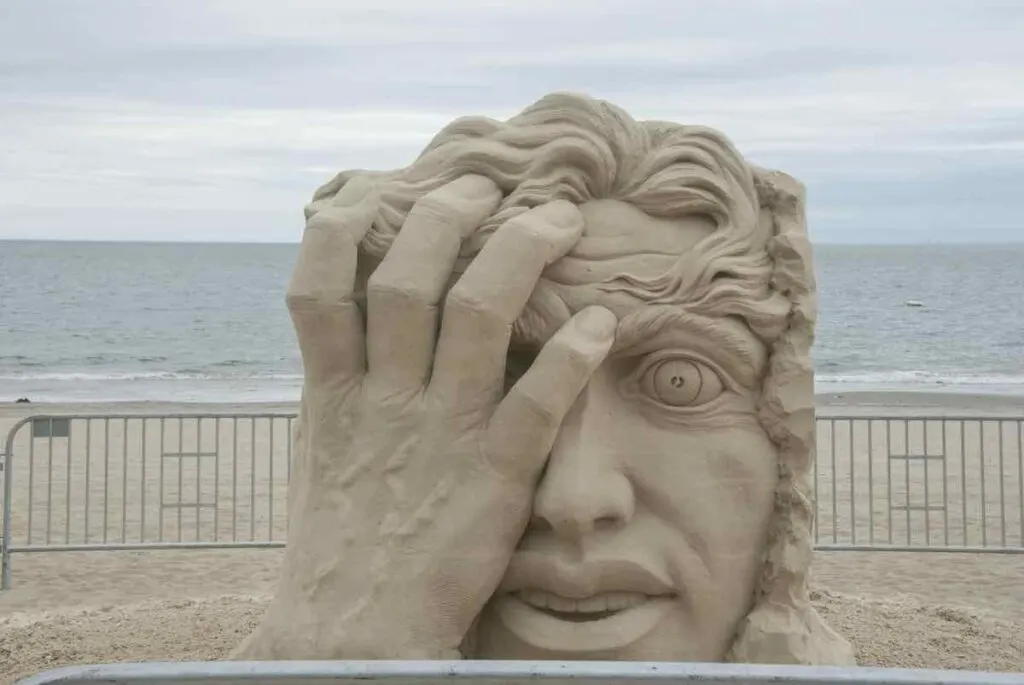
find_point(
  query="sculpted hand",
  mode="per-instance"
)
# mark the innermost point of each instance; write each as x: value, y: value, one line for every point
x: 415, y: 472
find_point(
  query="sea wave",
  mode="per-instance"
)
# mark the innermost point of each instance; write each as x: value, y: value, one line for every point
x: 852, y: 378
x: 927, y: 378
x: 75, y: 376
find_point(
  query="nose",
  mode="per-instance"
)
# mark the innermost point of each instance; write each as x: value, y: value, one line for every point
x: 583, y: 488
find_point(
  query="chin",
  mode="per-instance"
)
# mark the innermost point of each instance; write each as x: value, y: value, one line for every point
x: 654, y: 629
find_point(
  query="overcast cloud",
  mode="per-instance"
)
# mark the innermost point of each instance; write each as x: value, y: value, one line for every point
x: 216, y: 119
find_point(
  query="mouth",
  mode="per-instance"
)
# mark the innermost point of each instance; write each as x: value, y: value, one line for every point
x: 595, y: 608
x: 600, y: 623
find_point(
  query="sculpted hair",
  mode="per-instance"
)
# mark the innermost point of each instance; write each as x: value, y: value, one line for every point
x: 756, y: 266
x: 574, y: 148
x: 783, y: 626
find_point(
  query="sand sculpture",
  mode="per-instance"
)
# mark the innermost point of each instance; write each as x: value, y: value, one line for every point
x: 558, y: 403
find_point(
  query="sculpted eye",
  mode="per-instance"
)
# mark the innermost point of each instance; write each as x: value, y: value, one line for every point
x: 682, y: 383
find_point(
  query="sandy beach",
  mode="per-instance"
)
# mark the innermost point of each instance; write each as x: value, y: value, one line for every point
x: 142, y: 480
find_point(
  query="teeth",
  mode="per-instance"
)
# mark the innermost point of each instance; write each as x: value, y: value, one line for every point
x: 557, y: 603
x: 618, y: 601
x: 611, y: 601
x: 536, y: 598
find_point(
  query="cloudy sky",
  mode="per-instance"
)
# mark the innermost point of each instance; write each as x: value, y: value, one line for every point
x: 215, y: 119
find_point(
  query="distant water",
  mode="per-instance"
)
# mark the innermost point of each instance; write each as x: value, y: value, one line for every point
x: 194, y: 322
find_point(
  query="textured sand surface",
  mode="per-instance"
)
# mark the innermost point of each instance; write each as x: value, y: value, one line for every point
x: 932, y: 610
x: 893, y: 632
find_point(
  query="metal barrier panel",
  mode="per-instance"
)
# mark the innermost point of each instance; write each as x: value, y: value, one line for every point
x: 504, y: 673
x: 141, y: 481
x: 920, y: 483
x: 203, y: 480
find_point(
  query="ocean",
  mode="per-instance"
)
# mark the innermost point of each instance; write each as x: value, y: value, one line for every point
x: 206, y: 322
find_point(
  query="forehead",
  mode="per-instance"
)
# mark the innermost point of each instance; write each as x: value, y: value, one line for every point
x: 621, y: 240
x: 609, y: 223
x: 618, y: 240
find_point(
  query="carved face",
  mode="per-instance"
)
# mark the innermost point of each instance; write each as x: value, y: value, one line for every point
x: 649, y: 521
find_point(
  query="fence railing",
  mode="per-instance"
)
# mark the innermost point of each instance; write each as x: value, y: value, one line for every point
x: 144, y: 482
x: 504, y: 673
x: 204, y: 480
x: 920, y: 483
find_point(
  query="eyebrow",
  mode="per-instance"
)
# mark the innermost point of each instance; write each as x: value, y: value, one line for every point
x: 651, y: 328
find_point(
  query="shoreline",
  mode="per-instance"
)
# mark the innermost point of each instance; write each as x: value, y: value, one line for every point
x: 826, y: 401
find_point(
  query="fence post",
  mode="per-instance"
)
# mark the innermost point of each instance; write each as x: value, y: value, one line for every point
x: 3, y: 530
x: 5, y: 540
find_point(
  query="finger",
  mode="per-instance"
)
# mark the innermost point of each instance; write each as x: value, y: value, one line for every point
x: 404, y: 291
x: 482, y: 306
x: 327, y: 322
x: 524, y: 426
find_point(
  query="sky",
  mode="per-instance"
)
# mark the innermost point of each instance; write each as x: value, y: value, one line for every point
x: 214, y: 120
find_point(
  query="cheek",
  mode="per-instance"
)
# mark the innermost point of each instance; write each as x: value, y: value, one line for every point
x: 743, y: 465
x: 712, y: 483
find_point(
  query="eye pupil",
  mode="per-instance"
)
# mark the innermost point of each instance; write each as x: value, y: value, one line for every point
x: 681, y: 382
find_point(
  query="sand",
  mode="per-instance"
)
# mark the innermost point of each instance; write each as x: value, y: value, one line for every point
x: 914, y: 609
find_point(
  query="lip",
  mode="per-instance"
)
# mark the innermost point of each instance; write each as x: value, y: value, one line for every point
x: 589, y: 609
x: 597, y: 605
x: 557, y: 633
x: 584, y: 580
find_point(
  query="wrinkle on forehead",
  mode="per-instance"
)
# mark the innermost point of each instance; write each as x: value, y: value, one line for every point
x: 618, y: 239
x: 616, y: 228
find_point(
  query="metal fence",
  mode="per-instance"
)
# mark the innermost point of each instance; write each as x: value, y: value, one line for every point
x: 145, y: 482
x: 201, y: 480
x: 504, y: 673
x: 920, y: 484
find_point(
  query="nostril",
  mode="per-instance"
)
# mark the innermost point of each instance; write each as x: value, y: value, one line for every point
x: 607, y: 522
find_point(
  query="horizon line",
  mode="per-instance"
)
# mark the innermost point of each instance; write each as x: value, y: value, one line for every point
x: 135, y: 241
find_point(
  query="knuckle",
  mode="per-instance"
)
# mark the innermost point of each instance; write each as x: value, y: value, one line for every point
x: 325, y: 218
x: 574, y: 361
x: 393, y: 286
x: 354, y: 190
x: 299, y: 300
x: 384, y: 285
x: 527, y: 228
x: 404, y: 404
x: 311, y: 209
x: 539, y: 411
x: 526, y: 236
x: 333, y: 219
x: 435, y: 208
x: 323, y: 240
x: 545, y: 227
x: 466, y: 300
x: 448, y: 205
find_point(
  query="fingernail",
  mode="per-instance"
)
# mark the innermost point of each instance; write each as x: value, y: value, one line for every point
x: 358, y: 189
x: 597, y: 322
x: 562, y: 214
x: 312, y: 208
x: 476, y: 187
